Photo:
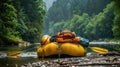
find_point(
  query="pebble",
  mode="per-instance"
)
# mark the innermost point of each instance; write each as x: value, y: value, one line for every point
x: 77, y: 62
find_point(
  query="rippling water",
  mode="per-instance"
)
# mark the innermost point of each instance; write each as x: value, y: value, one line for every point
x: 15, y: 61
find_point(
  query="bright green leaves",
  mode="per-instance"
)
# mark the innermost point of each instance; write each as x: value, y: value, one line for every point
x: 8, y: 21
x: 21, y: 19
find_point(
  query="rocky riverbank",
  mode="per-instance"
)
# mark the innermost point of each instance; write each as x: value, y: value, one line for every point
x: 91, y: 60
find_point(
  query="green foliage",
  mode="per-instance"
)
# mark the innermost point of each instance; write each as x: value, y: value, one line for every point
x: 78, y: 23
x: 30, y: 17
x: 117, y: 48
x: 116, y: 26
x: 64, y: 10
x: 98, y: 26
x: 20, y: 19
x: 58, y: 26
x: 8, y: 22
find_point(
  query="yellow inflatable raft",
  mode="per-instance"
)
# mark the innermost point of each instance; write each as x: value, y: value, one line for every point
x: 54, y: 49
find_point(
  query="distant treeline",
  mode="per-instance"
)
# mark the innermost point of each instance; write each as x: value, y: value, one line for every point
x: 21, y: 20
x: 92, y: 19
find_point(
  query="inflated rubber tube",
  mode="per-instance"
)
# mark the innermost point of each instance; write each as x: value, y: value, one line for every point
x: 62, y: 48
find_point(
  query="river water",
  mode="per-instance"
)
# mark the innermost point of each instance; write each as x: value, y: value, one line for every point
x: 17, y: 61
x: 14, y: 61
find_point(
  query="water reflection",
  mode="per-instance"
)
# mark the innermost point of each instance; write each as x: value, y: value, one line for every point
x: 14, y: 61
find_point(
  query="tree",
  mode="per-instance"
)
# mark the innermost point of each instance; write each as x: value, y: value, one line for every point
x: 116, y: 25
x: 30, y: 17
x: 8, y: 22
x: 100, y: 26
x: 78, y: 23
x: 64, y: 10
x: 21, y: 19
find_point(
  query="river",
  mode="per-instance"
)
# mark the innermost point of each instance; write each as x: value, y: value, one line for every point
x: 27, y: 58
x: 14, y: 61
x: 24, y: 58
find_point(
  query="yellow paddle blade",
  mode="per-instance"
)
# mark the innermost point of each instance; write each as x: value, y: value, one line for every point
x: 13, y: 53
x: 99, y: 50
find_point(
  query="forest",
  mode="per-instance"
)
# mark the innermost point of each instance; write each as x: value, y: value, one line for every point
x: 21, y: 20
x: 27, y: 20
x: 91, y: 19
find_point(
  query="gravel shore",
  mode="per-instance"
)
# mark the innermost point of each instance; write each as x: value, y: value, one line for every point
x: 91, y: 60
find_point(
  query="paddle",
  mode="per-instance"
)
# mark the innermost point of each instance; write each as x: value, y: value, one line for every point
x: 15, y: 53
x: 99, y: 50
x: 85, y: 43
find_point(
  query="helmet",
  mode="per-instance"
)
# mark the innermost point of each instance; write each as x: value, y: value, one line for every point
x: 45, y: 39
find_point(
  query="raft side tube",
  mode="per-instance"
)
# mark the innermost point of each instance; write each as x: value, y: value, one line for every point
x: 67, y: 49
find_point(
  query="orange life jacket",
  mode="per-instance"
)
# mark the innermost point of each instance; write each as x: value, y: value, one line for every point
x: 72, y: 40
x: 63, y: 37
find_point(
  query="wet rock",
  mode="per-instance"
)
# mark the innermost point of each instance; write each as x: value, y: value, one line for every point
x: 29, y: 65
x: 91, y: 61
x: 3, y: 55
x: 113, y: 53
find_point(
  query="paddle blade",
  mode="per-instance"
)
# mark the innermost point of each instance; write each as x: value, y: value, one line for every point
x: 13, y: 53
x: 99, y: 50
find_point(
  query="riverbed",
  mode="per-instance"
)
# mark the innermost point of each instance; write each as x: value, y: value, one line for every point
x: 29, y: 59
